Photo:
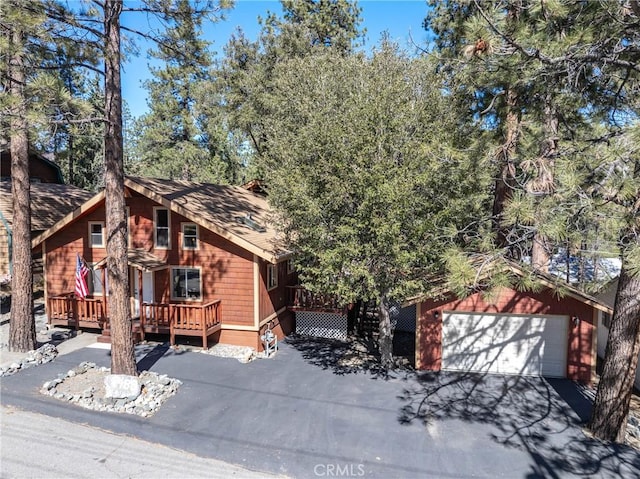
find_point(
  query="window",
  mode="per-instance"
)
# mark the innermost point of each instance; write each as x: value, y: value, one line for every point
x: 186, y: 283
x: 291, y: 267
x: 189, y: 236
x: 606, y: 320
x: 96, y: 234
x: 272, y: 276
x: 162, y: 228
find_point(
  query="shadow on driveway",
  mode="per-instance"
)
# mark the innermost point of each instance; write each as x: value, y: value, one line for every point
x: 354, y: 356
x: 541, y: 417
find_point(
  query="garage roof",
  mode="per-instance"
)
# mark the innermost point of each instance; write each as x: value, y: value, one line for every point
x: 485, y: 267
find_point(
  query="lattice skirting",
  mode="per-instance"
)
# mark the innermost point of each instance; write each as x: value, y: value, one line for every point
x: 407, y: 319
x: 323, y: 325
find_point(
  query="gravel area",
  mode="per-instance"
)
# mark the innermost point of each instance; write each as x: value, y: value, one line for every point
x: 85, y: 386
x: 244, y: 354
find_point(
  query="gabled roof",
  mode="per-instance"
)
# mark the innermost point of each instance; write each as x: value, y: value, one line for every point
x: 6, y: 156
x: 519, y: 269
x: 49, y: 202
x: 232, y: 212
x: 553, y: 282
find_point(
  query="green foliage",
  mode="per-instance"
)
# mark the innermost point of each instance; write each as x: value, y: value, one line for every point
x: 246, y: 75
x: 64, y: 103
x: 554, y: 61
x: 366, y: 172
x: 178, y: 137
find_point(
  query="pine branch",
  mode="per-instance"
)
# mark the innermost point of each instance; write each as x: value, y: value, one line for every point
x: 77, y: 122
x: 562, y: 59
x: 488, y: 109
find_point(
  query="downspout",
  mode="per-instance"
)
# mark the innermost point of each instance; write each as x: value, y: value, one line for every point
x: 9, y: 241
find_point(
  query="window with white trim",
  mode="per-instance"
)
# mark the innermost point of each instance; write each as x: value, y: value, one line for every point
x: 96, y: 234
x: 189, y: 236
x: 162, y: 229
x: 186, y: 283
x: 272, y: 276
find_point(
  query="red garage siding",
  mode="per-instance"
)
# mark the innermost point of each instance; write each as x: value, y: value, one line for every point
x: 580, y: 351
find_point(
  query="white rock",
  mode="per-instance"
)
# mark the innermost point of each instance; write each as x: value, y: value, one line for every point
x: 121, y: 386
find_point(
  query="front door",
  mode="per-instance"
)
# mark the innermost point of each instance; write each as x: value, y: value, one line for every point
x: 147, y: 289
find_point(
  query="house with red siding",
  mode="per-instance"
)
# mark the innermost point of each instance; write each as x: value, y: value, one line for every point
x: 203, y: 261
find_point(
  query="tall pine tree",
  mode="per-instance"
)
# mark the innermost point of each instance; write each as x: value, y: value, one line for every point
x: 173, y: 141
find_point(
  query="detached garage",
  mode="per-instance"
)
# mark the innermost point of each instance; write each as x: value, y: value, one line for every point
x: 523, y: 333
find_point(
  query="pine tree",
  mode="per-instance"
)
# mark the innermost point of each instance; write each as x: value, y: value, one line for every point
x: 32, y: 101
x: 525, y: 104
x: 15, y: 44
x: 172, y: 142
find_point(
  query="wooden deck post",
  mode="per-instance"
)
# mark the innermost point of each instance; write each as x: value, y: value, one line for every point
x: 74, y: 308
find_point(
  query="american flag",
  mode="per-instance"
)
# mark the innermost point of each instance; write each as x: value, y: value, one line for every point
x: 81, y: 278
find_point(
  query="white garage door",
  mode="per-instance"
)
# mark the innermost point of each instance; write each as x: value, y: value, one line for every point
x: 505, y: 343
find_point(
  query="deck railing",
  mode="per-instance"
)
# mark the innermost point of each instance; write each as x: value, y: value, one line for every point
x: 163, y: 318
x: 190, y: 317
x: 195, y: 317
x: 302, y: 299
x: 68, y: 309
x: 155, y: 317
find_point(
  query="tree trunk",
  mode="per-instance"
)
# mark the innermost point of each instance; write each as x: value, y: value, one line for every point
x: 122, y: 353
x: 611, y: 407
x: 22, y: 328
x: 544, y: 183
x: 540, y: 253
x: 504, y: 182
x: 385, y: 339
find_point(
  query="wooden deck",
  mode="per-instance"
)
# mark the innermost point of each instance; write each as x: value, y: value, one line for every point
x: 181, y: 319
x: 300, y: 299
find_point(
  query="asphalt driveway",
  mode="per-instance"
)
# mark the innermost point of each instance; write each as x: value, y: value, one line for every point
x: 306, y: 413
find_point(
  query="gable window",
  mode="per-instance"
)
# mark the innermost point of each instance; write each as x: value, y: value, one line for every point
x: 186, y: 283
x: 272, y: 276
x: 161, y: 234
x: 96, y: 234
x: 189, y: 236
x: 606, y: 320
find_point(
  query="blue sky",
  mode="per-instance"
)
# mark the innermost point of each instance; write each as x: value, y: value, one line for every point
x: 400, y: 18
